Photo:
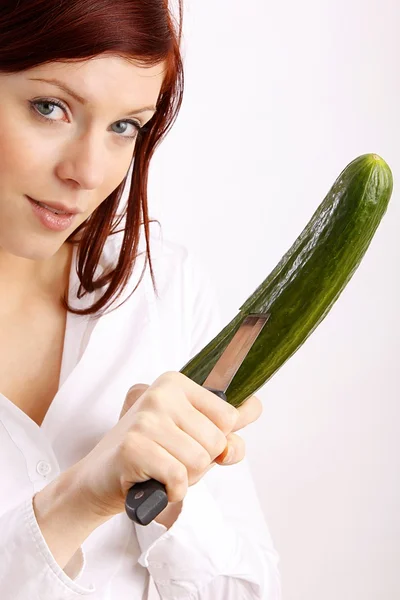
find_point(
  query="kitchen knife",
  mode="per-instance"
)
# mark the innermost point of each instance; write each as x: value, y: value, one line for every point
x: 146, y: 499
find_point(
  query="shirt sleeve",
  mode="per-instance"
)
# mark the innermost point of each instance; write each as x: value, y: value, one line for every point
x: 220, y: 545
x: 27, y: 566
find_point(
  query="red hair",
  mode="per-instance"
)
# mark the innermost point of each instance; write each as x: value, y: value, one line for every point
x: 35, y: 32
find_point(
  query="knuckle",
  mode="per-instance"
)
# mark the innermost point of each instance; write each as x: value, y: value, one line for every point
x: 138, y: 387
x: 155, y: 399
x: 227, y: 417
x: 127, y: 444
x: 201, y: 462
x: 144, y: 422
x: 169, y: 376
x: 177, y: 475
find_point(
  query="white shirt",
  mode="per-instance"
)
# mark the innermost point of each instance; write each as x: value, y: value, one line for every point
x: 220, y: 546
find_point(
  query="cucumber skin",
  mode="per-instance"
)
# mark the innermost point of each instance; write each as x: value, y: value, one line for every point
x: 308, y: 280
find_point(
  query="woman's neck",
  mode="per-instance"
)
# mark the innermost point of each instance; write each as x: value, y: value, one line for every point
x: 22, y: 279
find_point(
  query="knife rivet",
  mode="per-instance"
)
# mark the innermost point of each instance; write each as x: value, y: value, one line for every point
x: 139, y: 495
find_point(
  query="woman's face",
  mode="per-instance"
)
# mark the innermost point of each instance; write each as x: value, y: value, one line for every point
x: 76, y: 155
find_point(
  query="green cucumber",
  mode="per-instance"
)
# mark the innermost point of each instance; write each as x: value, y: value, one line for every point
x: 308, y: 280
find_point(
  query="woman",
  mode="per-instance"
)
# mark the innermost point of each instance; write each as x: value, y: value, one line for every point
x: 89, y: 88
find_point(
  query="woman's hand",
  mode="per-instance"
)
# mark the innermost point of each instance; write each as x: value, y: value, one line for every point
x: 173, y: 430
x: 248, y: 412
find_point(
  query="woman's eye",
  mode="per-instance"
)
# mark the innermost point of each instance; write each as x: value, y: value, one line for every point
x: 135, y: 127
x: 49, y: 105
x: 46, y: 104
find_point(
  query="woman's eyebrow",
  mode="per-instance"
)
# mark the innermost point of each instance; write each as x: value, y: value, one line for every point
x: 84, y: 101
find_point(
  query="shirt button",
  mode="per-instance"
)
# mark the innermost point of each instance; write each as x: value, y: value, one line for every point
x: 43, y: 468
x: 156, y: 565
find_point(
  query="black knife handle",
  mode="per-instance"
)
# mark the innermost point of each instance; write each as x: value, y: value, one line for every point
x: 145, y: 500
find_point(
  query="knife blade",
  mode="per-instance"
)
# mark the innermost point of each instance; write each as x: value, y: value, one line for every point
x: 231, y: 359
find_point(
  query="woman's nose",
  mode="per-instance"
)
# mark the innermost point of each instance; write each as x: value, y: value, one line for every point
x: 84, y: 160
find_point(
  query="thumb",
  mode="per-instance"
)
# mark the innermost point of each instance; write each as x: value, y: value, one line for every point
x: 133, y: 394
x: 234, y: 452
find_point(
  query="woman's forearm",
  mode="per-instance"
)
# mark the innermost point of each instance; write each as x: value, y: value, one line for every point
x: 63, y: 518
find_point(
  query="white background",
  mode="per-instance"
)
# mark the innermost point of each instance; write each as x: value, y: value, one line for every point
x: 279, y: 98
